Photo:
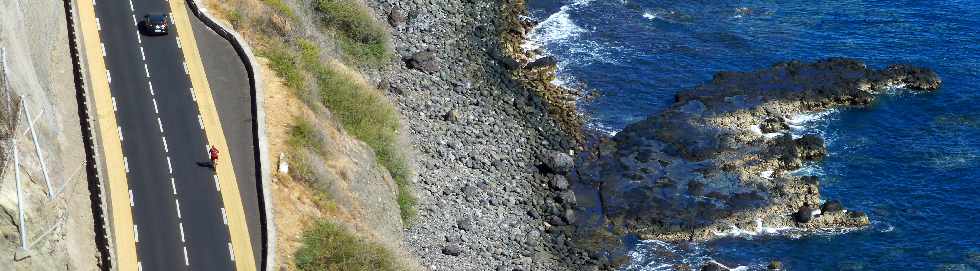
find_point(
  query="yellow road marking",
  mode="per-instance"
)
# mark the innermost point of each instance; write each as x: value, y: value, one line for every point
x: 121, y: 214
x: 243, y: 256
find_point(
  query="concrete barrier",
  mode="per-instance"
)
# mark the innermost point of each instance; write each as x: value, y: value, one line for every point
x: 87, y: 123
x: 261, y: 153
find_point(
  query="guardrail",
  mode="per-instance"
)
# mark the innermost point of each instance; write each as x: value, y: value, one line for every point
x: 95, y: 187
x: 258, y: 129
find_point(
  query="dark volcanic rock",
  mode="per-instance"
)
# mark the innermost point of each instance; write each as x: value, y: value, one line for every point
x: 714, y: 266
x: 805, y: 214
x: 650, y: 177
x: 811, y: 147
x: 452, y: 250
x: 395, y: 18
x: 774, y: 125
x: 423, y: 61
x: 544, y: 62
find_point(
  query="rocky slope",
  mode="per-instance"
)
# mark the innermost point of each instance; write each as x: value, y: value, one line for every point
x: 721, y: 156
x: 491, y: 190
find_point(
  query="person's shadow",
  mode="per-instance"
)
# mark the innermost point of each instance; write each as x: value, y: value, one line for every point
x: 207, y: 164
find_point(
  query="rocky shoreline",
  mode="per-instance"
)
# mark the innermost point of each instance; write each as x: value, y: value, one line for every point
x: 504, y: 182
x: 491, y: 157
x: 721, y: 158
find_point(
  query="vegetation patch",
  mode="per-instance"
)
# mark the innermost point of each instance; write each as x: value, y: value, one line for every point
x: 328, y: 246
x: 369, y: 117
x: 358, y: 34
x: 285, y: 64
x: 281, y: 7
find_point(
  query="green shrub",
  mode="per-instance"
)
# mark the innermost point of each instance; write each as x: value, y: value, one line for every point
x: 284, y: 63
x: 328, y: 246
x: 303, y: 135
x: 235, y: 18
x: 359, y: 35
x: 281, y: 7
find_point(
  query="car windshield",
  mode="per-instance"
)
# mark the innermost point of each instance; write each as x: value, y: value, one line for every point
x: 157, y: 19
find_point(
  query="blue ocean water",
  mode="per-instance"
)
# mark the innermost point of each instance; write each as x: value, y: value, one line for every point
x: 911, y: 161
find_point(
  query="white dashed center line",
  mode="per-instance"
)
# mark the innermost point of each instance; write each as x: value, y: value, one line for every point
x: 108, y: 76
x: 136, y: 233
x: 200, y: 121
x: 155, y: 109
x: 103, y: 50
x: 165, y: 147
x: 185, y: 68
x: 120, y: 132
x: 126, y: 163
x: 160, y: 124
x: 216, y: 186
x: 186, y: 262
x: 147, y: 69
x: 173, y: 185
x: 142, y: 53
x: 134, y: 20
x: 231, y: 252
x: 170, y: 166
x: 132, y: 201
x: 138, y: 38
x: 177, y: 201
x: 182, y: 232
x: 224, y: 216
x: 178, y: 42
x: 151, y: 88
x: 114, y: 108
x: 131, y: 7
x: 193, y: 95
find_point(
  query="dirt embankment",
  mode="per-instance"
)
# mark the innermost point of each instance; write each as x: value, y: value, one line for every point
x: 60, y: 230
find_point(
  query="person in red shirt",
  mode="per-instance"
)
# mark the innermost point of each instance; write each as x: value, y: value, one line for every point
x: 214, y: 156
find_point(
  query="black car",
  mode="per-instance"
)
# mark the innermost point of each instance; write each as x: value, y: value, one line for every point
x: 155, y: 24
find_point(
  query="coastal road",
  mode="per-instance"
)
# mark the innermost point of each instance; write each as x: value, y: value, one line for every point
x: 184, y: 215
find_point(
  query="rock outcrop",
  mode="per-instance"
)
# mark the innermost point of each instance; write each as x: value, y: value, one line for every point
x: 698, y: 168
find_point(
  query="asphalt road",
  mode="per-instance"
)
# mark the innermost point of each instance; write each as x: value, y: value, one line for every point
x: 233, y: 99
x: 177, y: 209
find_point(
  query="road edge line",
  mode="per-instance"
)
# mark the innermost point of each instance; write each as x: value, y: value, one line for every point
x: 120, y: 212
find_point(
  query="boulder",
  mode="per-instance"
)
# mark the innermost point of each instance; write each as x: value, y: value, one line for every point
x: 773, y: 125
x: 451, y: 116
x: 423, y: 60
x: 544, y: 62
x: 452, y: 250
x: 558, y: 163
x: 811, y: 147
x: 569, y: 216
x: 775, y: 265
x: 558, y: 183
x: 395, y: 18
x: 806, y: 213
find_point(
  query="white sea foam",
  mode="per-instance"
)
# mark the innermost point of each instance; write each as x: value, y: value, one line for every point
x: 805, y: 122
x: 558, y: 27
x: 758, y: 229
x: 650, y: 16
